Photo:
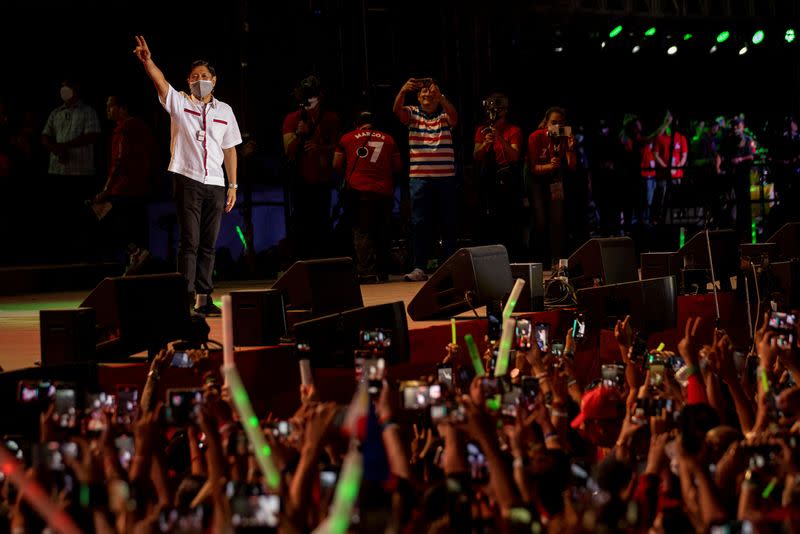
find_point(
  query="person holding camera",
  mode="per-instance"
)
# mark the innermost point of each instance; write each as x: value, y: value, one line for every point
x: 551, y: 151
x: 310, y: 135
x: 496, y: 153
x: 204, y: 135
x: 432, y: 170
x: 369, y: 158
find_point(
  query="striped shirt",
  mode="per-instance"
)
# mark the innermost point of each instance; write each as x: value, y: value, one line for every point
x: 430, y: 144
x: 65, y: 124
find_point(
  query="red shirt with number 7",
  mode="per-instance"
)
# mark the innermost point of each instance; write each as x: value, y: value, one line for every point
x: 371, y: 157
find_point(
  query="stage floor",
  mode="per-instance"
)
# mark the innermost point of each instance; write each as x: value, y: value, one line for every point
x: 19, y: 314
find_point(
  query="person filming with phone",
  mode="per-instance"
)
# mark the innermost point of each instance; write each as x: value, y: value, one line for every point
x: 551, y: 156
x: 496, y: 153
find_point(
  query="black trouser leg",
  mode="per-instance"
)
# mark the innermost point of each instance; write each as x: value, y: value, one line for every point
x: 213, y: 203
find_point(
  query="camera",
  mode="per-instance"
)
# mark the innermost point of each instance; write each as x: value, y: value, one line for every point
x: 127, y: 404
x: 613, y: 375
x: 578, y: 328
x: 493, y: 105
x: 522, y: 331
x: 65, y: 413
x: 785, y: 325
x: 558, y: 130
x: 183, y: 406
x: 375, y: 339
x: 542, y: 335
x: 181, y: 360
x: 418, y: 395
x: 447, y: 411
x: 444, y: 375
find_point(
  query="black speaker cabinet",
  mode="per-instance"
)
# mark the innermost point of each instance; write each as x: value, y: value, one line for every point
x: 470, y: 278
x: 785, y: 281
x: 322, y: 286
x: 532, y: 296
x: 330, y: 341
x: 259, y: 317
x: 67, y: 335
x: 652, y: 304
x: 600, y: 261
x: 787, y: 238
x: 136, y: 313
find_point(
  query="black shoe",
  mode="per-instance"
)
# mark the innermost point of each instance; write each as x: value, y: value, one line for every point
x: 209, y: 309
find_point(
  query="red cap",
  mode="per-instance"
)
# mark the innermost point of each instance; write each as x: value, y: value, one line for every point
x: 599, y: 403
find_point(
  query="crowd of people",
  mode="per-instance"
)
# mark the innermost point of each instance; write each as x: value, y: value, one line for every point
x: 695, y: 438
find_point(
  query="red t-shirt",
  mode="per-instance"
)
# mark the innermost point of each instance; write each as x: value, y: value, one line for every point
x: 648, y: 161
x: 512, y: 134
x: 315, y: 167
x: 131, y: 159
x: 679, y: 148
x: 371, y: 157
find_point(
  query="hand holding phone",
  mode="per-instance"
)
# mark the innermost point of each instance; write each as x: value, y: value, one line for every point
x: 65, y: 410
x: 181, y: 360
x: 127, y: 404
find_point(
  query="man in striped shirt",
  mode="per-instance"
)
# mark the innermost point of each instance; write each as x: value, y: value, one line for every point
x: 431, y: 170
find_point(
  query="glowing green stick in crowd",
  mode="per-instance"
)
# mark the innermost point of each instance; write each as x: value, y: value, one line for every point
x: 474, y: 356
x: 252, y: 426
x: 505, y: 347
x: 512, y: 299
x: 770, y: 487
x: 453, y: 330
x: 346, y: 494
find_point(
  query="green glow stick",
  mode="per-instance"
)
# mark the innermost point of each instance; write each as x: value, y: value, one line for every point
x: 505, y: 347
x: 252, y: 428
x: 512, y: 299
x: 241, y: 236
x: 346, y: 494
x: 474, y: 356
x: 771, y: 486
x: 764, y: 380
x: 453, y: 329
x: 660, y: 347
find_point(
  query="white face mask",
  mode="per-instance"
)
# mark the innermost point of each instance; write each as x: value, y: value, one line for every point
x: 201, y: 88
x: 312, y: 102
x: 67, y: 93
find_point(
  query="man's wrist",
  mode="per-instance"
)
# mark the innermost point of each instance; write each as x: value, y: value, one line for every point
x: 233, y: 185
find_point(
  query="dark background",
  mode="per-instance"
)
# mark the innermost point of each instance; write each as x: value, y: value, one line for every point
x: 364, y: 50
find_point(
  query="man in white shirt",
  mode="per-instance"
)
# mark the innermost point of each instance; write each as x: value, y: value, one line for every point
x: 204, y: 135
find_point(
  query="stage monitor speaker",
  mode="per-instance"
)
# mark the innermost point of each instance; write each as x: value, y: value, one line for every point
x: 321, y: 286
x: 659, y: 264
x: 67, y: 335
x: 785, y: 281
x: 603, y: 260
x: 724, y: 251
x: 532, y: 296
x: 788, y: 240
x: 469, y: 279
x: 652, y: 304
x: 756, y: 253
x: 330, y: 341
x: 259, y: 317
x: 137, y: 313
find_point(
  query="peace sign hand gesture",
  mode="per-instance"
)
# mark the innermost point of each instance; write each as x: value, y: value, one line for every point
x: 142, y: 51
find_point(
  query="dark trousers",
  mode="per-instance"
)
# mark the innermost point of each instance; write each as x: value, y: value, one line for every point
x: 432, y: 199
x: 548, y: 224
x: 199, y: 208
x: 125, y: 224
x: 372, y: 218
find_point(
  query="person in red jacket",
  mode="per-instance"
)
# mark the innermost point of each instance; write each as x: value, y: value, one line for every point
x: 498, y: 145
x: 551, y: 151
x: 370, y: 159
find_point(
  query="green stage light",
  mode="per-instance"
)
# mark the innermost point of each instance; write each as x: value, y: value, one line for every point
x: 616, y: 31
x: 758, y: 37
x: 723, y: 36
x: 687, y: 36
x: 789, y: 35
x: 650, y: 32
